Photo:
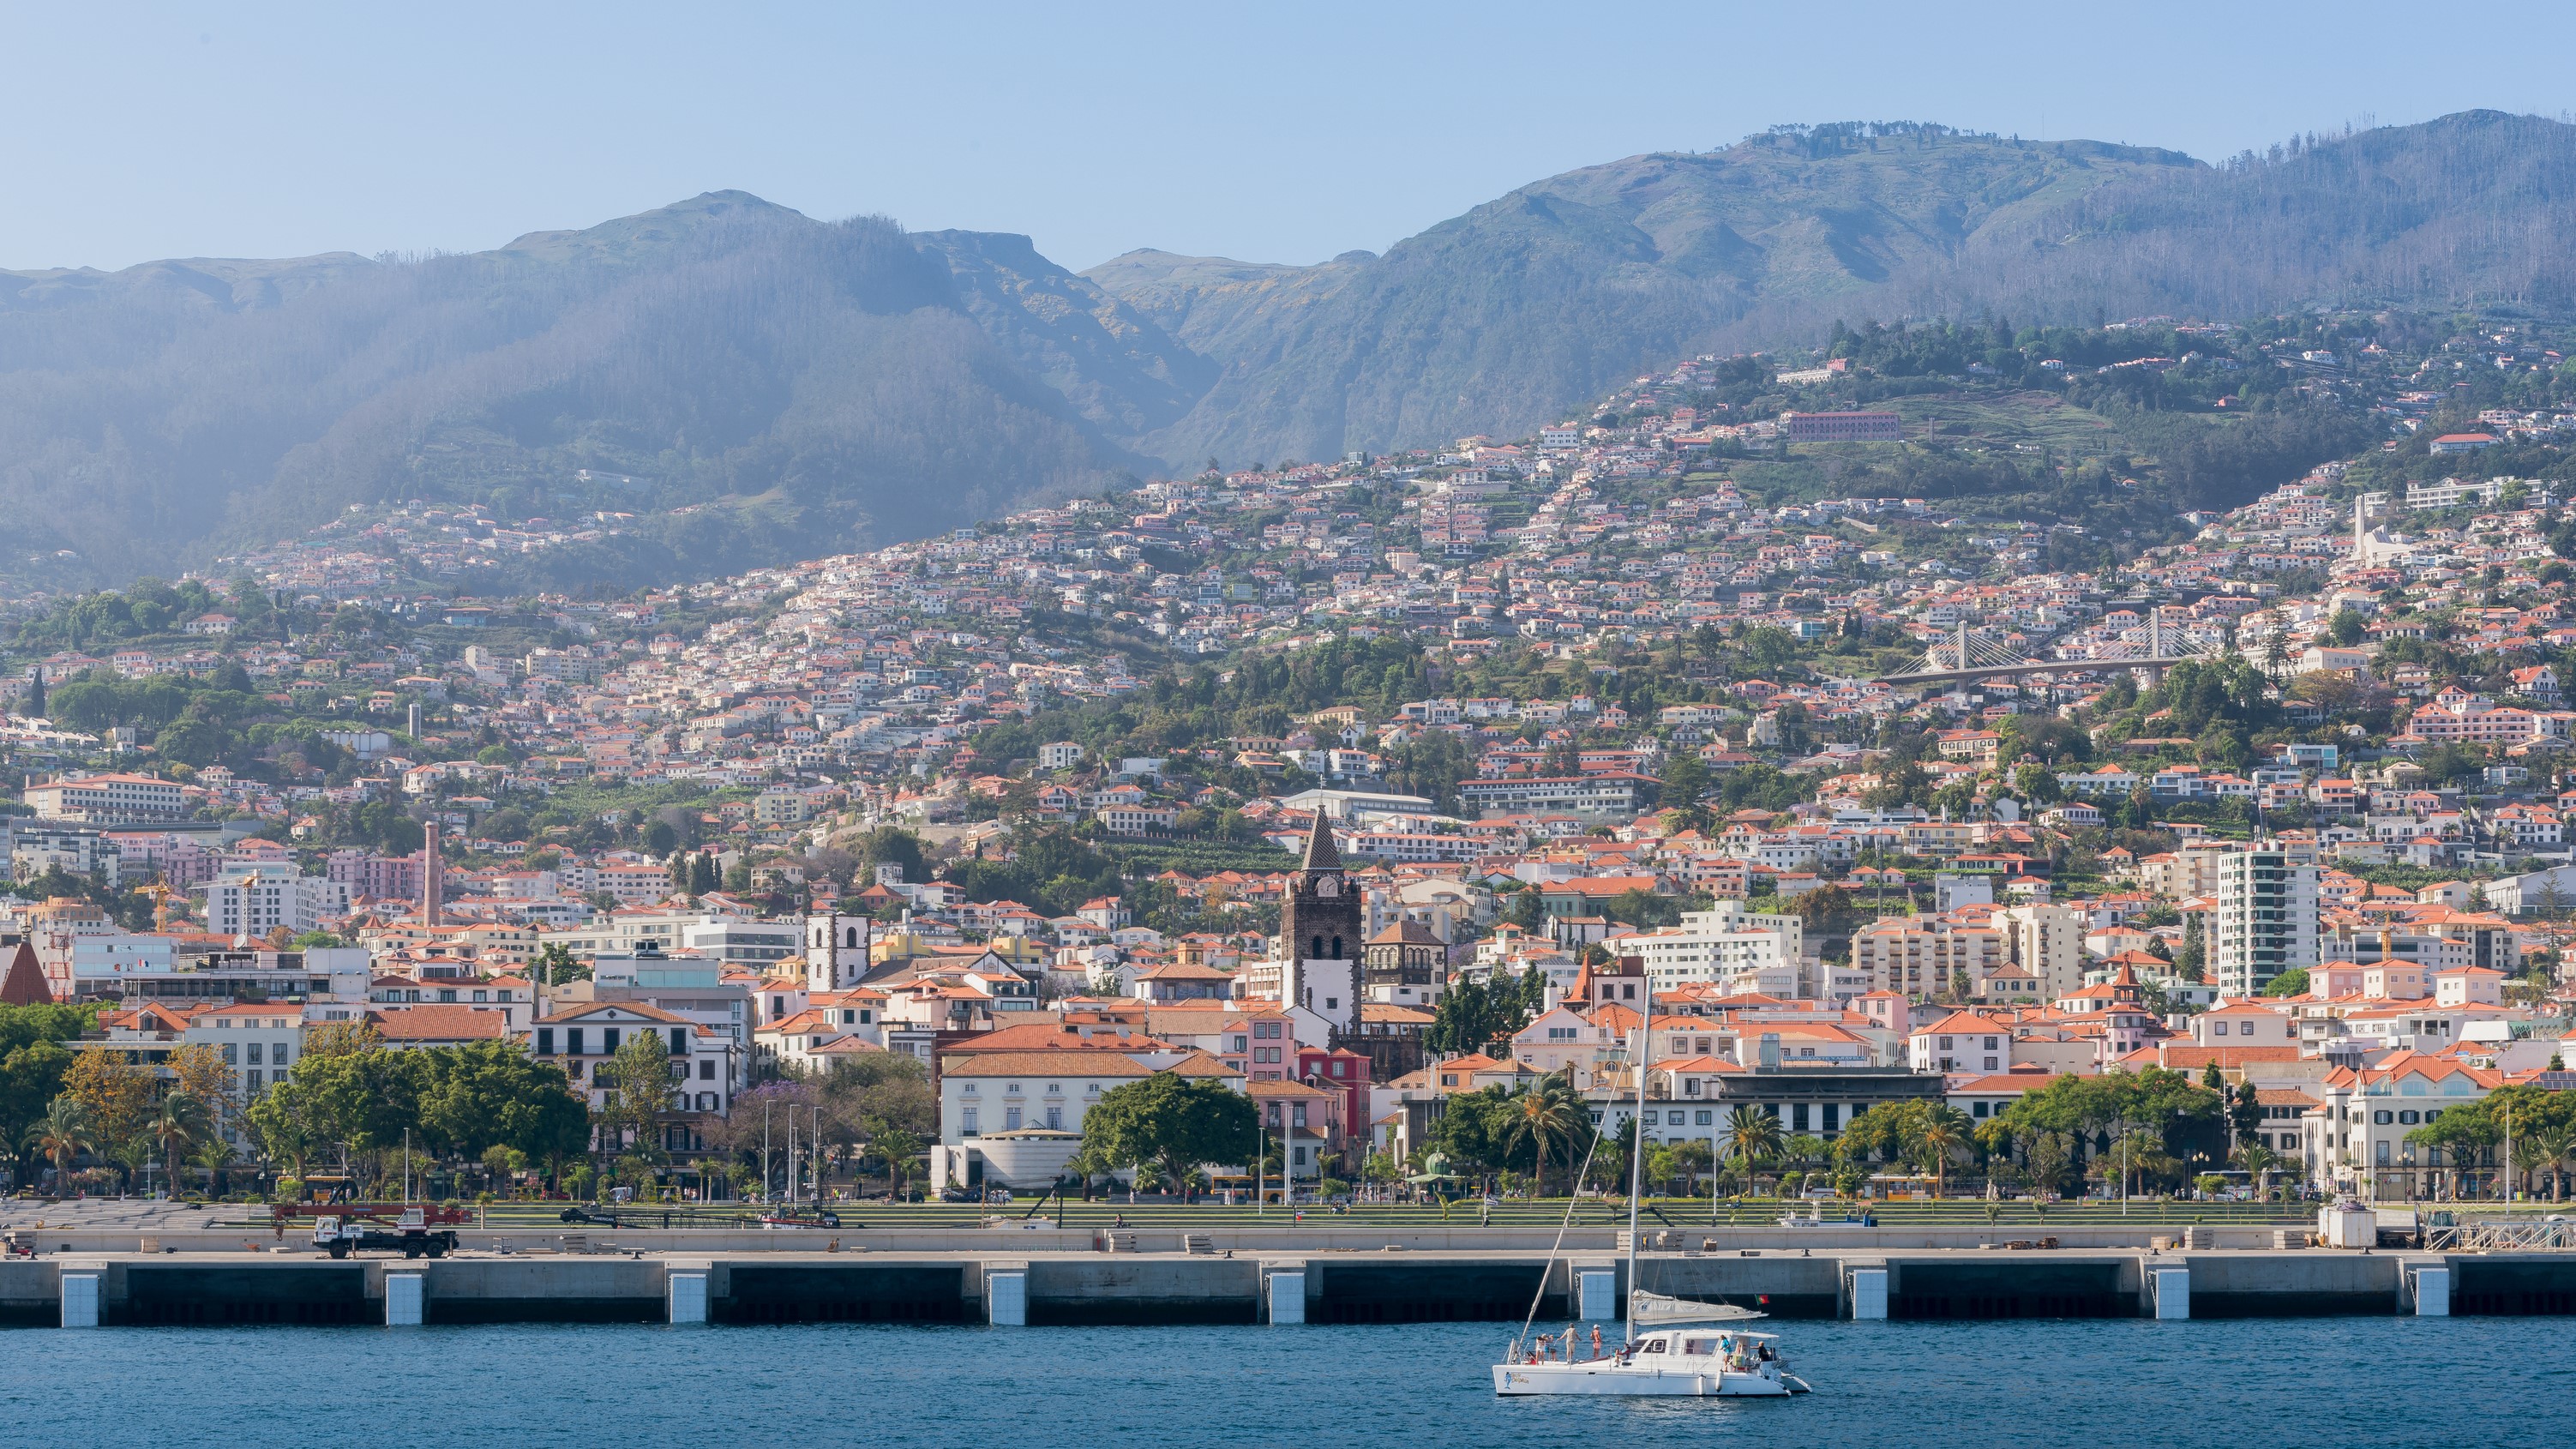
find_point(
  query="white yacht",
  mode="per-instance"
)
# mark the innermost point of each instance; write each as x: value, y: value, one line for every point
x: 1672, y: 1347
x: 1675, y: 1349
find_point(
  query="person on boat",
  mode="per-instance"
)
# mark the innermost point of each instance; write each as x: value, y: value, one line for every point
x: 1596, y: 1340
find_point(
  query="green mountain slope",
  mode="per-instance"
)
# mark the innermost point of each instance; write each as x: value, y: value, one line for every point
x: 828, y: 384
x: 1495, y: 320
x: 830, y: 376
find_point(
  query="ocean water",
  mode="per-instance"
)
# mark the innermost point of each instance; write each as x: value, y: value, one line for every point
x: 2095, y: 1383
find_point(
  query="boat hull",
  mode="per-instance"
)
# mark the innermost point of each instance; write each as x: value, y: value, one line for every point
x: 1606, y: 1380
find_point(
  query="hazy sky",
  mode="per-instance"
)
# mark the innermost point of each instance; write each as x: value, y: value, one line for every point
x: 1286, y: 134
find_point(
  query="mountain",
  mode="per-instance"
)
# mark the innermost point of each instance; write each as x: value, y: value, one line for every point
x: 1537, y: 302
x: 803, y: 386
x: 830, y: 382
x: 1495, y: 320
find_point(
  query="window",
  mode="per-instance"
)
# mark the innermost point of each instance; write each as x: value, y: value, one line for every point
x: 969, y: 1089
x: 1704, y: 1117
x: 679, y: 1041
x: 1055, y: 1119
x: 1833, y: 1116
x: 2383, y: 1117
x: 1798, y: 1117
x: 1267, y: 1030
x: 1010, y: 1119
x: 608, y: 1041
x: 1299, y: 1119
x: 572, y: 1041
x: 482, y: 996
x: 2218, y: 1028
x: 252, y: 1081
x: 966, y: 1121
x: 230, y: 1055
x: 707, y: 1069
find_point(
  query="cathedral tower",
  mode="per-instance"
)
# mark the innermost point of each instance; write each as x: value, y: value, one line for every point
x: 1324, y: 920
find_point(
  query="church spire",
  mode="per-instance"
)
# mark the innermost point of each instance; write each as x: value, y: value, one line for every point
x: 1320, y: 851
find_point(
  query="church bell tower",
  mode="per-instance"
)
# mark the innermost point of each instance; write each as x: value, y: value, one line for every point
x: 836, y: 950
x: 1321, y: 929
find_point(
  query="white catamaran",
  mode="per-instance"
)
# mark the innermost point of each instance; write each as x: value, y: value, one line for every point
x: 1673, y: 1347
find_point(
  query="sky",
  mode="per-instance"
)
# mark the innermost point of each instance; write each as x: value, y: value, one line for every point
x: 1276, y: 133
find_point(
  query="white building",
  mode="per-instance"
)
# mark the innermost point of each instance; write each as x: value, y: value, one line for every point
x: 2048, y: 943
x: 1727, y: 947
x: 253, y: 900
x: 2265, y: 921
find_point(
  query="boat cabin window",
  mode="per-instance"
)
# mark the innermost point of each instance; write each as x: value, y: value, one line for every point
x: 1699, y: 1347
x: 1653, y: 1345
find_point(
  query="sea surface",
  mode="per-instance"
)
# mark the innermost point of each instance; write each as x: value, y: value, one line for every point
x: 2094, y: 1383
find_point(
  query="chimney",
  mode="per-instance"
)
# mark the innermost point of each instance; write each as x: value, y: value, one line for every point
x: 433, y: 873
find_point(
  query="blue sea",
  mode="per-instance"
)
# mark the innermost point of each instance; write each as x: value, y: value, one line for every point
x: 2337, y: 1382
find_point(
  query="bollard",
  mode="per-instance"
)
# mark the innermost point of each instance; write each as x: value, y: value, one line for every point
x: 1868, y: 1294
x: 402, y: 1300
x: 2172, y: 1291
x: 1006, y: 1298
x: 1597, y: 1293
x: 1287, y: 1297
x: 685, y: 1295
x: 80, y: 1299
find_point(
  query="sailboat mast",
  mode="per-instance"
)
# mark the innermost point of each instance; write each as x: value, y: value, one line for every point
x: 1637, y: 1157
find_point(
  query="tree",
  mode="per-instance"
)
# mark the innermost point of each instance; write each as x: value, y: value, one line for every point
x: 1475, y: 1016
x: 487, y: 1096
x: 1752, y: 1135
x: 1177, y: 1123
x: 2259, y: 1163
x: 2293, y: 982
x: 184, y: 1119
x: 115, y: 1094
x: 1544, y: 1114
x: 639, y: 1092
x: 62, y: 1135
x: 1944, y: 1134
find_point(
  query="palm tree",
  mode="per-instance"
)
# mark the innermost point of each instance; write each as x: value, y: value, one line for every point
x: 1542, y: 1114
x: 2555, y: 1144
x: 1752, y: 1135
x: 183, y: 1121
x: 1945, y: 1131
x: 61, y: 1136
x: 2260, y: 1162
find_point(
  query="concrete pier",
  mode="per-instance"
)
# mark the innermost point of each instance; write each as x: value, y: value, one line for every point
x: 1038, y: 1289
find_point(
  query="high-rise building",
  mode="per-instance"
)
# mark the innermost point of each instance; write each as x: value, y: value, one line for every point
x: 2047, y: 942
x: 2265, y: 919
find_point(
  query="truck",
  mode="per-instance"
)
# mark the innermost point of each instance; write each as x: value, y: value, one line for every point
x: 410, y: 1233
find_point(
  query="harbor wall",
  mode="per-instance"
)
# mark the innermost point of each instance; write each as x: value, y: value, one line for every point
x: 1305, y: 1287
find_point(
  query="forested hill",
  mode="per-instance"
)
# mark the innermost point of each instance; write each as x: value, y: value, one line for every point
x: 820, y: 385
x: 1527, y: 305
x: 825, y: 381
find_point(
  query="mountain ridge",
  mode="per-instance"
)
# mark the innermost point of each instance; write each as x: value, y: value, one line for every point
x: 832, y: 383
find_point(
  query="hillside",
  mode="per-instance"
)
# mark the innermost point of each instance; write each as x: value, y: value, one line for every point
x: 829, y: 379
x: 1494, y: 320
x: 804, y: 386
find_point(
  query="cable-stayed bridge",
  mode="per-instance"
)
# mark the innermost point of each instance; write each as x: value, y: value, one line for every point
x: 1966, y: 654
